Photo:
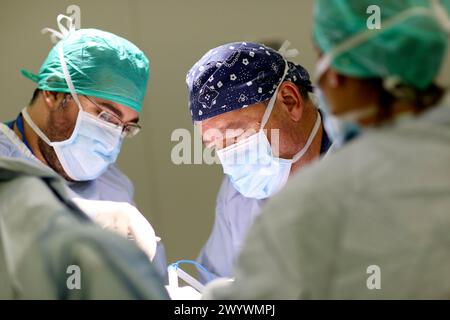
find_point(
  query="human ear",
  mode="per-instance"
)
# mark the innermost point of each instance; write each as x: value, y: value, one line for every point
x: 291, y: 99
x: 53, y: 99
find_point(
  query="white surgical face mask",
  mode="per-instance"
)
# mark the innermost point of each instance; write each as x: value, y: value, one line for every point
x: 253, y: 169
x: 88, y: 152
x: 93, y: 145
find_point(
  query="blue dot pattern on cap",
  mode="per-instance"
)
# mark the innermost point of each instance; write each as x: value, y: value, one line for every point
x: 236, y: 75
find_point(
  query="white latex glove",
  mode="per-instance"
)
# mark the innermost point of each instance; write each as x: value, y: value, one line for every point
x: 218, y: 283
x: 122, y: 218
x: 183, y: 293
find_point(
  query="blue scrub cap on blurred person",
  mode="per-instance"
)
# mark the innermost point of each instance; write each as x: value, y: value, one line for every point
x: 236, y: 75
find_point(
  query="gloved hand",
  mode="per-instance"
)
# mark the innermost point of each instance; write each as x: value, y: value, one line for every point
x: 216, y: 284
x: 122, y: 218
x: 183, y: 293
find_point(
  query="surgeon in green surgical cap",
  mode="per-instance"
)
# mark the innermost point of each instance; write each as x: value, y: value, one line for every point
x: 371, y: 220
x: 88, y: 98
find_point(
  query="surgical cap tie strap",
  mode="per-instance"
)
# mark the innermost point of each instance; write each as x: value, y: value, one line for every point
x: 61, y: 35
x: 287, y: 53
x: 67, y: 77
x: 63, y: 30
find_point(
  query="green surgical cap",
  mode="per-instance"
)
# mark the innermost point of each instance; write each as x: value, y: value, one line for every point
x: 411, y: 49
x: 100, y: 64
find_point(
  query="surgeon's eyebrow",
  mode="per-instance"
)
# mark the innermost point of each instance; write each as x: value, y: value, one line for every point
x: 116, y: 111
x: 135, y: 120
x: 111, y: 108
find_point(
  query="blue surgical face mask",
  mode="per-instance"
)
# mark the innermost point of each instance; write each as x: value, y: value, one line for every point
x: 253, y: 169
x: 91, y: 148
x: 93, y: 145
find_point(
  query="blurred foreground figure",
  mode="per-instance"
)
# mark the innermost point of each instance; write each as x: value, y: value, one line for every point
x: 372, y: 220
x: 49, y: 249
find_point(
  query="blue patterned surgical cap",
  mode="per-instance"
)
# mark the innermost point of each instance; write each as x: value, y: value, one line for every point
x: 236, y: 75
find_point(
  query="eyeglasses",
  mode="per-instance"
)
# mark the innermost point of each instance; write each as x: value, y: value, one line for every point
x: 129, y: 129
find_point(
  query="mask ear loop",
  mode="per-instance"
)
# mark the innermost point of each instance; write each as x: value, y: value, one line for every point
x: 270, y: 107
x: 74, y: 96
x: 441, y: 15
x: 35, y: 128
x: 310, y: 140
x: 272, y: 100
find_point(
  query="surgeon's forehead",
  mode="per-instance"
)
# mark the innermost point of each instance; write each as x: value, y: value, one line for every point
x: 224, y: 122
